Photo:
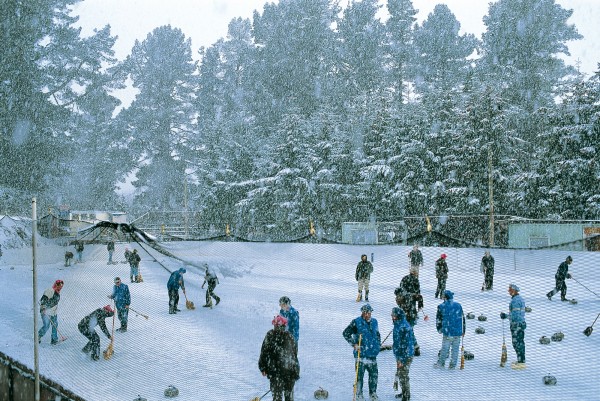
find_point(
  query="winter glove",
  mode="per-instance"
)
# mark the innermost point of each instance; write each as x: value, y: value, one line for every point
x: 109, y: 337
x: 503, y: 315
x: 569, y: 275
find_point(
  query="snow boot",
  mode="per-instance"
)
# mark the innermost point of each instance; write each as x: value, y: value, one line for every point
x: 359, y: 297
x: 131, y: 278
x: 549, y: 296
x: 217, y: 300
x: 417, y: 351
x: 367, y: 295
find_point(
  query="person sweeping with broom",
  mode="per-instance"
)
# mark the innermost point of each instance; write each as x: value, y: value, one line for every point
x: 48, y: 307
x: 87, y: 327
x: 175, y: 281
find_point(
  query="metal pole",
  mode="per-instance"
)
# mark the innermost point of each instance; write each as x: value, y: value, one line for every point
x: 36, y: 363
x: 491, y: 191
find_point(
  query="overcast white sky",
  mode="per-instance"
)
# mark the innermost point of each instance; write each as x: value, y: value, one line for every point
x: 205, y: 21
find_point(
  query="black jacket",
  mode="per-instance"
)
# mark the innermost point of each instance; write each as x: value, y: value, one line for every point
x: 278, y: 355
x: 100, y: 315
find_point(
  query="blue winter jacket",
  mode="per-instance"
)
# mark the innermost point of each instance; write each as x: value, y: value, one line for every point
x: 370, y: 344
x: 121, y: 296
x: 176, y: 280
x: 516, y: 309
x: 293, y: 325
x: 450, y: 320
x: 404, y: 340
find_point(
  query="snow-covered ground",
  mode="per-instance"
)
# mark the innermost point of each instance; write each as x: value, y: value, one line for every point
x: 212, y: 354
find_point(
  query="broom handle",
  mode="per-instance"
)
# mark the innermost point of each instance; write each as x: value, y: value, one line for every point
x: 584, y: 286
x: 386, y: 337
x: 63, y: 337
x: 139, y: 313
x: 112, y: 332
x: 357, y: 362
x: 595, y: 320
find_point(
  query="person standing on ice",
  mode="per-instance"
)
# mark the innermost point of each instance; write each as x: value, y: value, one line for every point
x: 122, y: 299
x: 48, y: 307
x: 363, y: 276
x: 292, y: 316
x: 212, y: 280
x: 134, y: 266
x: 516, y: 316
x: 409, y: 298
x: 87, y: 327
x: 175, y: 281
x: 487, y: 268
x: 366, y: 330
x: 450, y: 322
x: 278, y: 360
x: 79, y: 249
x: 404, y: 350
x: 441, y: 273
x: 562, y: 274
x: 416, y: 259
x: 110, y: 247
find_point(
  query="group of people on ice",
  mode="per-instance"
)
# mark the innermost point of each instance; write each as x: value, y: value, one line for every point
x: 121, y: 298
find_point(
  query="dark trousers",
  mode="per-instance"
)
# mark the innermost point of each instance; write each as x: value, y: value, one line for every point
x: 517, y: 331
x: 210, y: 293
x: 282, y: 388
x: 441, y: 287
x: 561, y: 285
x: 122, y: 314
x: 173, y: 300
x: 404, y: 380
x: 371, y: 368
x: 94, y: 340
x: 489, y: 279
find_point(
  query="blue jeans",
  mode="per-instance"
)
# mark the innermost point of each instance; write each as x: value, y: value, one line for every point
x: 79, y: 256
x: 110, y: 253
x: 371, y: 367
x: 447, y: 343
x: 49, y: 321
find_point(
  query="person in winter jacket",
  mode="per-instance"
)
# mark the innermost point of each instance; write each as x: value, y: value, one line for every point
x: 122, y: 299
x: 562, y: 274
x: 110, y: 247
x: 441, y: 273
x: 87, y: 327
x: 487, y: 268
x: 68, y: 258
x: 127, y: 255
x: 79, y: 249
x: 416, y: 259
x: 48, y: 307
x: 278, y: 360
x: 211, y: 278
x: 450, y: 322
x: 404, y: 350
x: 363, y: 276
x: 409, y: 298
x: 363, y: 335
x: 134, y: 265
x: 516, y: 316
x: 292, y: 316
x: 175, y: 281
